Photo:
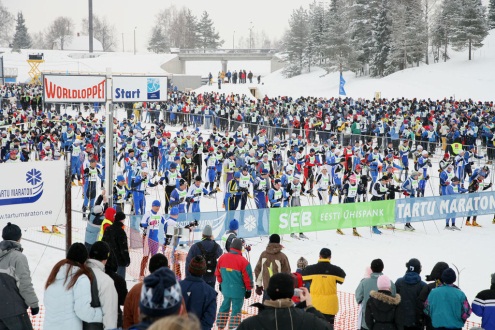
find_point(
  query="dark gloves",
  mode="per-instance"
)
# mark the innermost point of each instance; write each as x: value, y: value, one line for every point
x: 259, y: 290
x: 247, y: 295
x: 427, y: 177
x: 471, y: 163
x: 35, y: 310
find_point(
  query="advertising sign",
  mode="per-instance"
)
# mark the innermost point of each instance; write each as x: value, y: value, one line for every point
x: 139, y: 89
x: 288, y: 220
x: 59, y: 88
x: 32, y: 194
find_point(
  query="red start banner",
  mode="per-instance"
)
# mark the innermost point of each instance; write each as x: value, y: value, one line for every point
x: 58, y: 88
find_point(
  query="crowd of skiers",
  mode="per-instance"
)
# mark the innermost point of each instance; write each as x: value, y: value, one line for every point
x: 83, y: 291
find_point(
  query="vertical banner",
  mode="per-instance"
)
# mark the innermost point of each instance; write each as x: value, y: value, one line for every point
x: 341, y: 85
x: 326, y: 217
x: 32, y: 194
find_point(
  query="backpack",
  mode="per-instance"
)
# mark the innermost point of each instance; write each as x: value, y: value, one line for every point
x: 210, y: 258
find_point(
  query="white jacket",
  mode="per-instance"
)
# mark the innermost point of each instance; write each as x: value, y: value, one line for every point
x: 66, y: 309
x: 107, y: 294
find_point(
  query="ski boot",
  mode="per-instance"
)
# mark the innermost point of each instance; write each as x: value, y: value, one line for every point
x: 294, y: 236
x: 340, y: 232
x: 454, y: 227
x: 447, y: 227
x: 80, y: 183
x: 468, y: 223
x: 355, y: 233
x: 55, y: 230
x: 475, y: 224
x: 84, y: 209
x: 45, y: 230
x: 392, y: 227
x: 376, y: 231
x: 408, y: 227
x: 302, y: 236
x: 73, y: 184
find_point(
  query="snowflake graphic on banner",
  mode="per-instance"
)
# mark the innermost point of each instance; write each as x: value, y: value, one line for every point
x: 33, y: 177
x: 249, y: 223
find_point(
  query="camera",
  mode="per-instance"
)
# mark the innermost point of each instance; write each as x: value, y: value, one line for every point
x: 297, y: 292
x: 191, y: 225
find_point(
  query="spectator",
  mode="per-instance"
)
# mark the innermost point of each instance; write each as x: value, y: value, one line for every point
x: 367, y: 285
x: 323, y: 278
x: 483, y: 306
x: 67, y: 296
x: 107, y: 294
x: 279, y: 312
x: 16, y: 288
x: 230, y: 234
x: 161, y: 296
x: 447, y: 305
x: 271, y: 261
x: 381, y: 307
x: 131, y: 304
x: 410, y: 310
x: 199, y: 297
x: 177, y: 322
x: 107, y: 222
x: 367, y: 274
x: 434, y: 279
x: 210, y: 251
x: 116, y: 238
x: 121, y: 288
x: 235, y: 278
x: 93, y: 226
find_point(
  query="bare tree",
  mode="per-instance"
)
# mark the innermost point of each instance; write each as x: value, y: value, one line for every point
x: 39, y: 41
x: 104, y: 32
x: 6, y: 26
x: 61, y: 31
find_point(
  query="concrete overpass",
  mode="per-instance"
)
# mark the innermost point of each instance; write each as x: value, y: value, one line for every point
x: 177, y: 65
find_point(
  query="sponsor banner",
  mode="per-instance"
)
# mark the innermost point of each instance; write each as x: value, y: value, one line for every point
x: 32, y: 194
x: 443, y: 207
x: 326, y: 217
x: 58, y: 88
x: 139, y: 89
x: 252, y: 223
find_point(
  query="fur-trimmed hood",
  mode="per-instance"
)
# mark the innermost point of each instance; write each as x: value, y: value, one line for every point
x: 385, y: 297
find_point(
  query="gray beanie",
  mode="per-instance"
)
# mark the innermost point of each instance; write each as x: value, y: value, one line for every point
x: 236, y: 244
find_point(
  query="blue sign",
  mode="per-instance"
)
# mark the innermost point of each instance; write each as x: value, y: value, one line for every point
x: 153, y: 88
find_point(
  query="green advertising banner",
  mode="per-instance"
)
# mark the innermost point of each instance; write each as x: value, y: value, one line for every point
x: 327, y: 217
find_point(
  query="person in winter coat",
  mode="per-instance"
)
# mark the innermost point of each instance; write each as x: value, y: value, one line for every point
x: 235, y: 278
x: 272, y: 261
x: 410, y: 311
x: 210, y: 250
x: 116, y: 238
x: 93, y: 226
x: 434, y: 279
x: 230, y: 234
x: 447, y: 305
x: 98, y: 257
x: 483, y: 306
x: 323, y: 278
x: 369, y: 284
x: 121, y: 288
x: 16, y: 288
x: 107, y: 222
x: 199, y: 297
x: 131, y: 304
x: 279, y: 311
x: 381, y: 307
x: 67, y: 297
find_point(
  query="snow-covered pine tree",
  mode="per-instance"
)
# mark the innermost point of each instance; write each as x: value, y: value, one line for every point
x: 491, y: 14
x: 381, y: 39
x: 295, y: 42
x: 22, y: 39
x: 444, y: 25
x: 363, y: 16
x: 472, y: 27
x: 208, y: 37
x: 158, y: 42
x: 317, y: 28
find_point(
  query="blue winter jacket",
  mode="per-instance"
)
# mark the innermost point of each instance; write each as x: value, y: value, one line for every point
x: 200, y: 299
x: 208, y: 245
x: 447, y: 307
x: 484, y: 306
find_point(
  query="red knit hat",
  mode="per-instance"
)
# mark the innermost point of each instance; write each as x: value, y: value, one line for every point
x: 110, y: 214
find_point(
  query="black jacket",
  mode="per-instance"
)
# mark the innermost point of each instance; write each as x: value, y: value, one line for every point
x: 381, y: 310
x: 281, y: 315
x: 116, y: 237
x: 410, y: 311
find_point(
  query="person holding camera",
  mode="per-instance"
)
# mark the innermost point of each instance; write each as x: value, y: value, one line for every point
x: 279, y: 311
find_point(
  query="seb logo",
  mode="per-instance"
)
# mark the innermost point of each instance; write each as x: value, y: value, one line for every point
x: 295, y: 219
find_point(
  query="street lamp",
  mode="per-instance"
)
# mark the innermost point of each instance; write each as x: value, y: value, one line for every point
x: 135, y: 40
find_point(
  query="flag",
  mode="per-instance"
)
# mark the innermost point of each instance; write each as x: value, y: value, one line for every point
x: 341, y: 87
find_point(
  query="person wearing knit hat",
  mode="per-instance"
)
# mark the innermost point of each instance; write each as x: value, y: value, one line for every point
x: 17, y: 290
x: 381, y: 307
x: 93, y: 227
x: 324, y: 277
x: 302, y: 263
x: 210, y: 251
x: 116, y: 238
x: 279, y: 312
x: 271, y: 261
x: 77, y: 253
x: 199, y: 297
x: 230, y: 234
x: 161, y: 296
x: 367, y: 285
x: 410, y: 287
x: 120, y: 193
x: 434, y: 279
x: 447, y: 305
x: 483, y: 307
x: 131, y: 304
x: 98, y: 257
x: 150, y: 222
x: 235, y: 277
x: 109, y: 219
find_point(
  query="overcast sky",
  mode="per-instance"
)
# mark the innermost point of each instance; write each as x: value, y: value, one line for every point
x: 229, y: 16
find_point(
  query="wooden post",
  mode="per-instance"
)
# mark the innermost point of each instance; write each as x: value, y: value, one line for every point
x: 68, y: 203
